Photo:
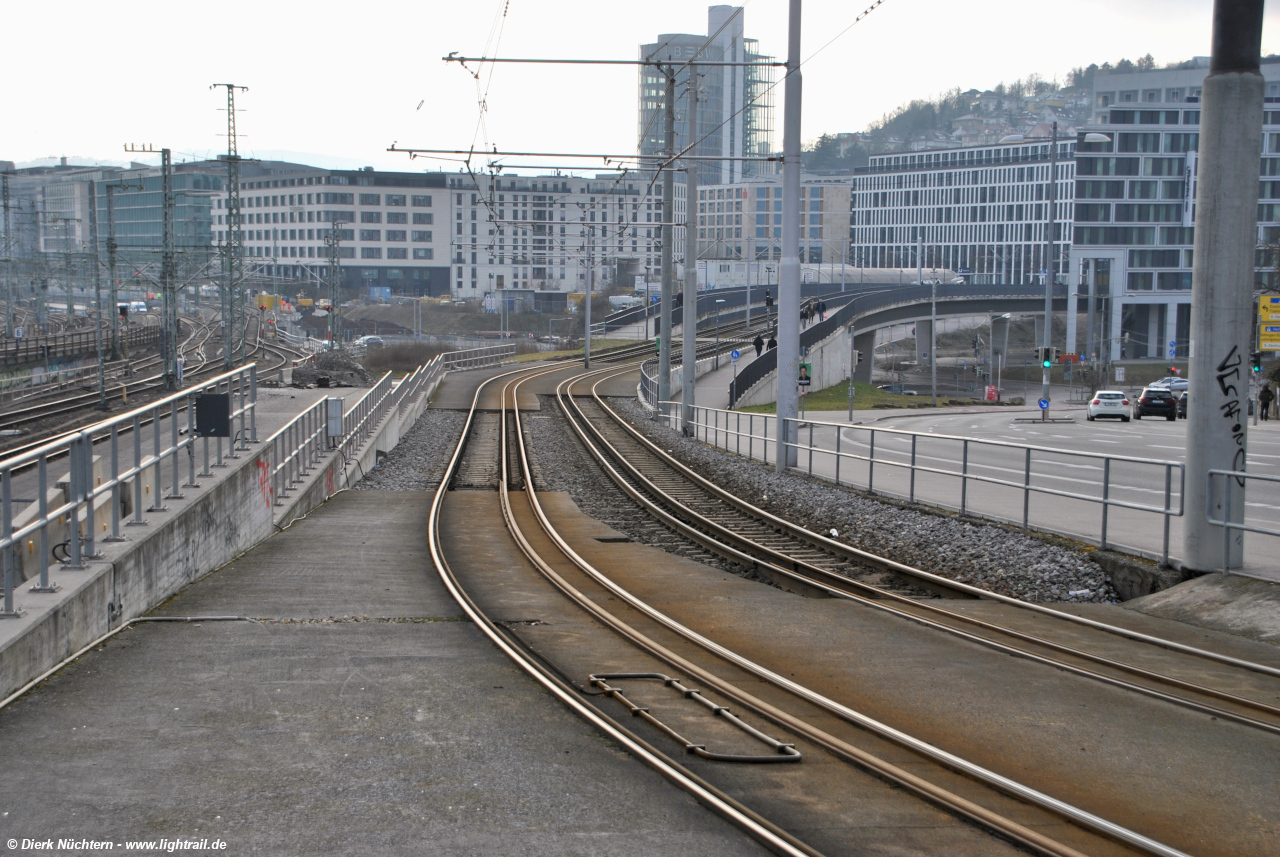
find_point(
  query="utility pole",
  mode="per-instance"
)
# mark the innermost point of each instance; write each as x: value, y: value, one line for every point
x: 689, y: 321
x: 233, y: 247
x: 97, y: 295
x: 8, y: 257
x: 335, y: 283
x: 668, y: 240
x: 168, y: 275
x: 789, y: 270
x: 1222, y: 285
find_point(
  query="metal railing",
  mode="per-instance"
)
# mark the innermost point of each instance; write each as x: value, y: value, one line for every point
x: 1231, y: 480
x: 30, y: 349
x: 851, y: 455
x: 60, y: 522
x: 477, y: 358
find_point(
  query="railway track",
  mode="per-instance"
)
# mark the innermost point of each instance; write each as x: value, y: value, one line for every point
x: 1164, y: 671
x: 202, y: 353
x: 797, y: 558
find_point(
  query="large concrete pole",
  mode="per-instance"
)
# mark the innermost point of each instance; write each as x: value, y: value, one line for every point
x: 1222, y: 279
x: 789, y: 270
x: 668, y: 243
x: 689, y: 326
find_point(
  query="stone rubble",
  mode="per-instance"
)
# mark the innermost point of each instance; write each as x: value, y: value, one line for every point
x: 990, y: 556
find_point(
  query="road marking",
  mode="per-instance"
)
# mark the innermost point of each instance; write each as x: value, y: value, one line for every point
x: 1158, y: 446
x: 1103, y: 440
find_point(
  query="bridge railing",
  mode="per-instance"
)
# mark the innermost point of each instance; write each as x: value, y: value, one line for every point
x: 969, y: 475
x: 478, y: 358
x: 62, y: 515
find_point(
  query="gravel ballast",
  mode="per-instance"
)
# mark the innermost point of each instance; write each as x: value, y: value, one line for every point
x: 996, y: 558
x: 419, y: 459
x: 559, y: 462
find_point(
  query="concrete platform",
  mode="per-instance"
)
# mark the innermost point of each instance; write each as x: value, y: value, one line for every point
x: 458, y: 389
x: 357, y: 716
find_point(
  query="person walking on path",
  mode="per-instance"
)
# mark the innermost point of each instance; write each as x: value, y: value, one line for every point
x: 822, y: 310
x: 759, y: 344
x: 773, y: 343
x: 1265, y: 398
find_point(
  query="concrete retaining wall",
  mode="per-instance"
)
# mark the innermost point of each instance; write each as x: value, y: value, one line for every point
x: 228, y: 519
x: 830, y: 361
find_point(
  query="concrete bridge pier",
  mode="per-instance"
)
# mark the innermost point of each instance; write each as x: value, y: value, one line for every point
x: 924, y: 336
x: 864, y: 341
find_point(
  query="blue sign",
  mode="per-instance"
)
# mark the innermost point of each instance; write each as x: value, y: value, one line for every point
x: 1044, y: 404
x: 1173, y: 348
x: 735, y: 354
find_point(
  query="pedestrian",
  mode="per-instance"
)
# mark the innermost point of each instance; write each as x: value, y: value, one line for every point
x: 1265, y: 397
x: 773, y: 343
x: 822, y: 310
x: 759, y: 344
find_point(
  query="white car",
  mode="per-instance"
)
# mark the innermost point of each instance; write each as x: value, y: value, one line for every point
x: 1109, y: 403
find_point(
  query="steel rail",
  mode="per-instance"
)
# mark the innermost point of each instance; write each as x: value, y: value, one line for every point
x: 1015, y: 789
x: 722, y: 540
x: 754, y: 825
x: 1024, y: 835
x: 858, y: 555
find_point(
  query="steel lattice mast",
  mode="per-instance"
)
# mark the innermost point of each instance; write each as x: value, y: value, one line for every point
x: 233, y: 247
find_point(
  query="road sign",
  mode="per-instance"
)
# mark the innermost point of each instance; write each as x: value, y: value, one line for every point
x: 1044, y: 404
x: 1173, y: 348
x: 1119, y: 374
x: 734, y: 355
x: 1269, y: 337
x: 991, y: 395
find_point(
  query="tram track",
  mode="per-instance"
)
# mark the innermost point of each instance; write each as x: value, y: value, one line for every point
x: 804, y: 706
x: 811, y: 563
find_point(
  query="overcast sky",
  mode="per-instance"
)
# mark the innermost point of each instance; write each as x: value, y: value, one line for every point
x: 336, y: 84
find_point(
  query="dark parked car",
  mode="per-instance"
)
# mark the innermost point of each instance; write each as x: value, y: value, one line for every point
x: 1156, y: 402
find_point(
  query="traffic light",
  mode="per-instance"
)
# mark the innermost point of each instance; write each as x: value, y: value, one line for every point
x: 1256, y: 357
x: 857, y: 357
x: 1045, y: 356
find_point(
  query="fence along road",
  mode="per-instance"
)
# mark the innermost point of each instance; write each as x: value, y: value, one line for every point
x: 1111, y: 500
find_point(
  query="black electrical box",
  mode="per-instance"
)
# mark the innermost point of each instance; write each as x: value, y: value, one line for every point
x: 213, y: 415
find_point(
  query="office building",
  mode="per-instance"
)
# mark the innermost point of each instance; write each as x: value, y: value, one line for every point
x: 538, y: 232
x: 735, y: 111
x: 1134, y: 213
x: 980, y: 211
x: 392, y: 227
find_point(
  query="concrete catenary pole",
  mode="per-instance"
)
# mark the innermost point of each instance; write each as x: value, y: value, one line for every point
x: 689, y: 325
x: 789, y: 269
x: 668, y: 241
x: 1222, y: 281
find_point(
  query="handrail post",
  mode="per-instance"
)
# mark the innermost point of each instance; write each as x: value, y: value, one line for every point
x: 176, y: 493
x: 912, y: 495
x: 1226, y: 525
x: 191, y: 442
x: 6, y: 518
x: 116, y: 489
x: 871, y: 463
x: 913, y: 474
x: 964, y: 479
x: 253, y: 402
x: 138, y: 475
x: 90, y: 492
x: 1168, y: 501
x: 1026, y: 490
x: 157, y: 504
x: 1106, y: 498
